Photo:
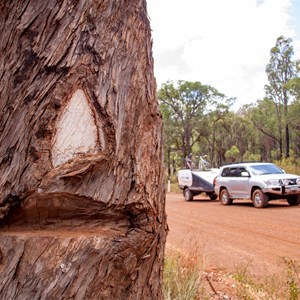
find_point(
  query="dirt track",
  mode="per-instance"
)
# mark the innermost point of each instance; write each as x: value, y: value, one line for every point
x: 231, y: 236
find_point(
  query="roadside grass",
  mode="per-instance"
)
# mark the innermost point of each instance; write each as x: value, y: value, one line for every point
x: 183, y: 274
x: 185, y: 279
x: 282, y: 286
x: 174, y: 188
x: 293, y: 277
x: 251, y: 286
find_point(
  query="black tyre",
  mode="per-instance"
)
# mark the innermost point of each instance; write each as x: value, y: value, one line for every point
x: 212, y: 196
x: 224, y: 197
x: 259, y: 199
x: 188, y: 195
x: 293, y: 200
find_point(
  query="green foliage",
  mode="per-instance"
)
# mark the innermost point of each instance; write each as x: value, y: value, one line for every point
x: 280, y: 71
x: 185, y: 108
x: 198, y: 120
x: 233, y: 153
x: 248, y: 156
x: 293, y: 86
x: 294, y: 120
x: 258, y: 114
x: 289, y: 165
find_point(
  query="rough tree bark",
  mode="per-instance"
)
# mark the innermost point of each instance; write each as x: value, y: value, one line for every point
x: 81, y: 188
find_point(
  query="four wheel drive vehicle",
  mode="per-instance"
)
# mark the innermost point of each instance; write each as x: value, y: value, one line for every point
x: 260, y: 182
x: 195, y: 182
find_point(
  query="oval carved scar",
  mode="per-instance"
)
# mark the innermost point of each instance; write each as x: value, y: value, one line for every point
x: 76, y: 131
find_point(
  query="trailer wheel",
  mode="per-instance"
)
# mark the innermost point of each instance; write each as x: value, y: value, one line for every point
x: 212, y: 196
x: 188, y: 195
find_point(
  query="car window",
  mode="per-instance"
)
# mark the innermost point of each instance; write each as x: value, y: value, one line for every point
x: 234, y: 172
x: 242, y: 169
x: 226, y: 172
x: 265, y: 169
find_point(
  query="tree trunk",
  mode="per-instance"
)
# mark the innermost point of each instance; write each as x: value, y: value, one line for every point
x: 279, y: 128
x: 287, y: 132
x: 82, y: 189
x: 287, y: 141
x: 169, y: 162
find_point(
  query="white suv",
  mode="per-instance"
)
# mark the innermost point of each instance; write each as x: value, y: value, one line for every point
x: 260, y: 182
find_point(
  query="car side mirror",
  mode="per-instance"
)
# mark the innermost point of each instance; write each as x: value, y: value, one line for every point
x: 245, y: 174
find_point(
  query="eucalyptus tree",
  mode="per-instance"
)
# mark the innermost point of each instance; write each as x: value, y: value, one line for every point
x: 294, y: 110
x: 211, y: 127
x: 248, y: 138
x: 81, y: 188
x: 170, y: 135
x: 233, y: 153
x: 234, y: 129
x: 280, y: 70
x: 294, y: 113
x: 184, y: 106
x: 264, y: 117
x: 294, y: 88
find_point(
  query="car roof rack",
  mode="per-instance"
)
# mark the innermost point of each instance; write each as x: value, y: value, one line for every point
x: 245, y: 162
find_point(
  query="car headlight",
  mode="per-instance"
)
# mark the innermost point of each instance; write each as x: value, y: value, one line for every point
x: 285, y: 181
x: 298, y: 181
x: 273, y: 182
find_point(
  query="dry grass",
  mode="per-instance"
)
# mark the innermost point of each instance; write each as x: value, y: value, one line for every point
x: 183, y: 274
x: 185, y: 279
x: 280, y: 286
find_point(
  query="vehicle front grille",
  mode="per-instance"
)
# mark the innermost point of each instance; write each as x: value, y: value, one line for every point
x: 292, y: 182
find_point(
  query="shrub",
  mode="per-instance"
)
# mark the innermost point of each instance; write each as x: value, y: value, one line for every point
x: 289, y: 165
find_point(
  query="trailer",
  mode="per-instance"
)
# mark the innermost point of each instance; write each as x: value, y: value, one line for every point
x: 195, y: 182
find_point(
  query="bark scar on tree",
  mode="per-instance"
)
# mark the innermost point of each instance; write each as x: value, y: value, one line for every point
x: 76, y: 131
x: 7, y: 203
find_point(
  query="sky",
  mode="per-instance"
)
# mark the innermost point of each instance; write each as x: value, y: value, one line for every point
x: 223, y: 43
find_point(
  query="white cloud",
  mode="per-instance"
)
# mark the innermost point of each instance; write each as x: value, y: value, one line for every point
x: 224, y: 43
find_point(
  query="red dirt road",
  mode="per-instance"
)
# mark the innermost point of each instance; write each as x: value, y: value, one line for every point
x: 233, y: 236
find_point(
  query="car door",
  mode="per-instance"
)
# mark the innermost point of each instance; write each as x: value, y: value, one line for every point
x: 241, y: 183
x: 232, y: 181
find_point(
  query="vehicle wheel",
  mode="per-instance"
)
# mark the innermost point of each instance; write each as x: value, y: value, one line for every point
x: 224, y: 197
x: 188, y: 195
x: 212, y: 196
x: 259, y: 199
x: 293, y: 200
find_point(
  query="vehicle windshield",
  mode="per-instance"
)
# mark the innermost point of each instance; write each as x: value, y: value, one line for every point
x: 265, y: 169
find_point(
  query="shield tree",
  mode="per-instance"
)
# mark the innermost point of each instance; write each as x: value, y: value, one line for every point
x: 81, y: 187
